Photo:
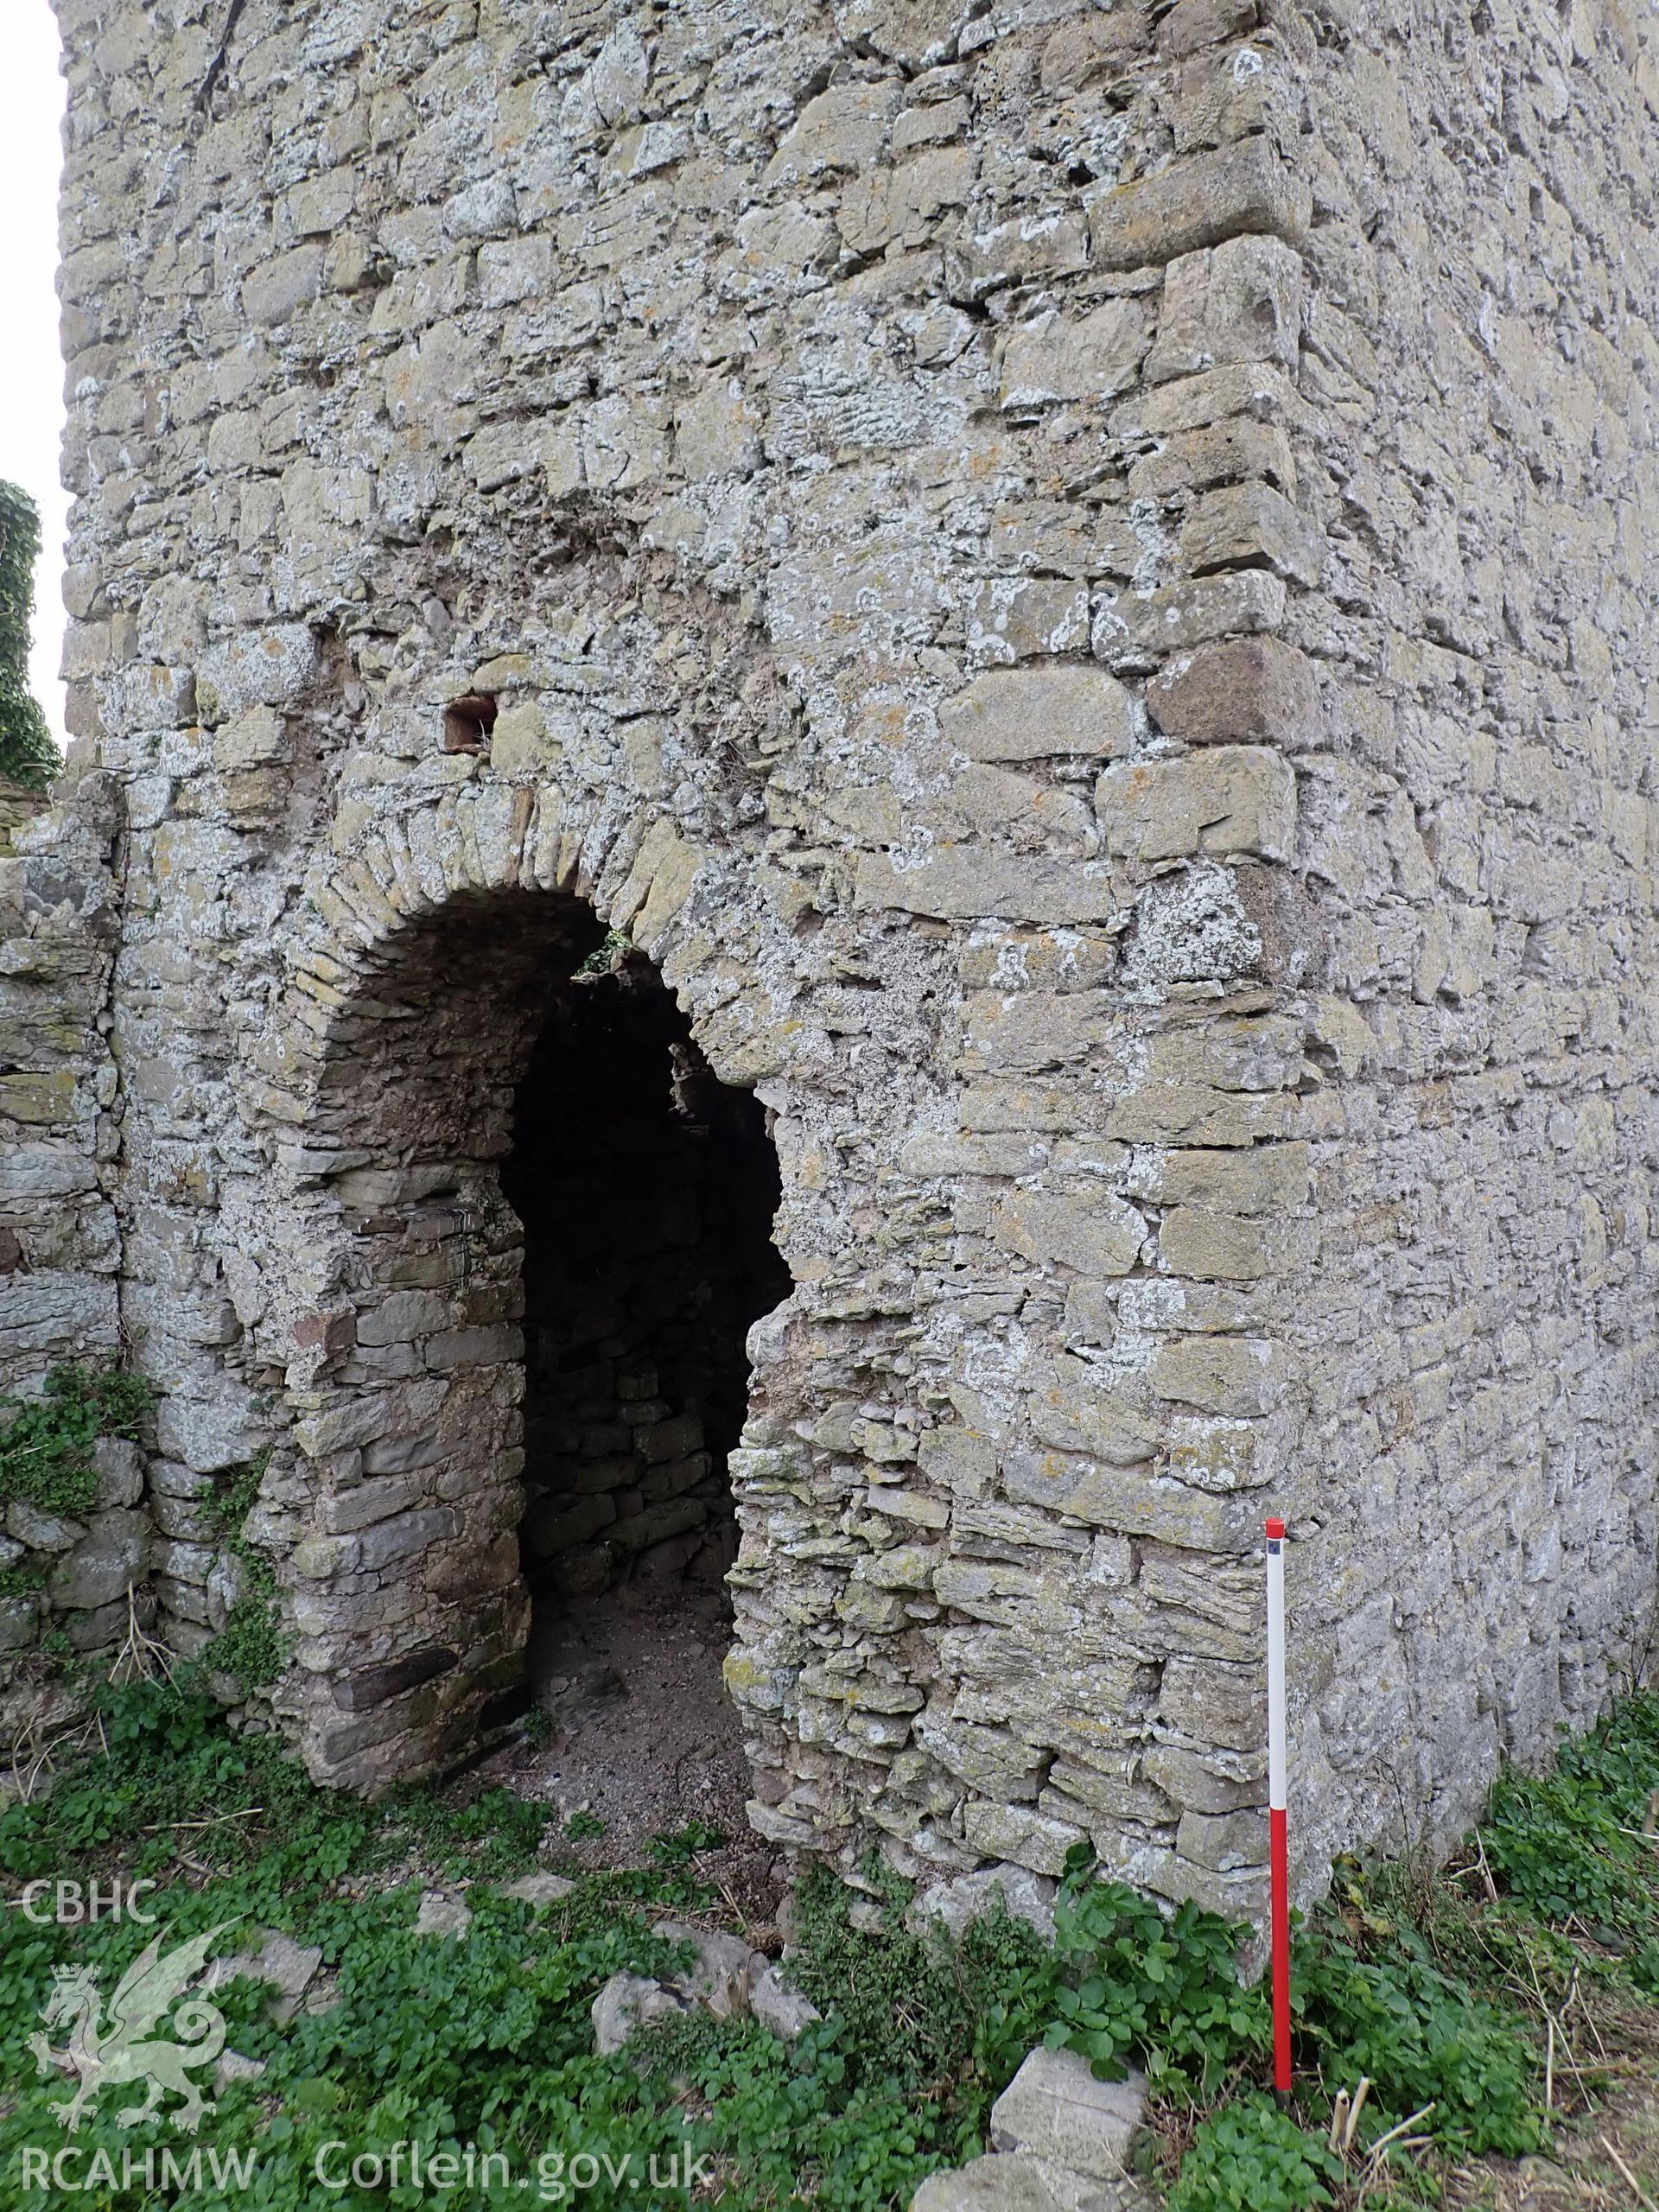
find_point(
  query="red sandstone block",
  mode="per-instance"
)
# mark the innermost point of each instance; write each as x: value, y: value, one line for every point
x: 1236, y: 692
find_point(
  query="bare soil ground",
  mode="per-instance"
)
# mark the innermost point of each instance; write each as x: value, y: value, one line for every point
x: 645, y: 1738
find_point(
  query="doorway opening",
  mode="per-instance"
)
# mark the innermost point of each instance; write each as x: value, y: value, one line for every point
x: 646, y: 1188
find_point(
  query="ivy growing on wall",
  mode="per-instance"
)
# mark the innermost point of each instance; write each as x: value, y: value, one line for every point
x: 27, y: 753
x: 46, y: 1443
x: 250, y: 1647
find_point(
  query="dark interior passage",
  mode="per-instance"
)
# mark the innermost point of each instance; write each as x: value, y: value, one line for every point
x: 646, y: 1188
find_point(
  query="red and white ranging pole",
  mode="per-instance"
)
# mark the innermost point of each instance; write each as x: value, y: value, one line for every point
x: 1278, y: 1840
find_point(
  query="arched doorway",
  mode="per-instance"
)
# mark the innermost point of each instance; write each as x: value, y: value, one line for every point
x: 539, y: 1228
x: 646, y: 1188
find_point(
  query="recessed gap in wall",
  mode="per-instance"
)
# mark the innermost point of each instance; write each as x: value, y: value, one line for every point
x: 646, y: 1188
x: 467, y: 722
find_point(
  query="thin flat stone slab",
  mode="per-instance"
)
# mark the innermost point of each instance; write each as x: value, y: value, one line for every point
x: 538, y: 1890
x: 988, y: 2184
x: 443, y: 1912
x: 627, y: 2003
x: 288, y: 1967
x: 1076, y: 2192
x: 1055, y: 2109
x: 778, y: 2006
x: 725, y: 1967
x: 1018, y: 2183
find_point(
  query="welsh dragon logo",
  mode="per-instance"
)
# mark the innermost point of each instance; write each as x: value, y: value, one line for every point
x: 108, y: 2057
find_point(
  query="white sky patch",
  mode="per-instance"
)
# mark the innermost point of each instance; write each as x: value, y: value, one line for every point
x: 31, y: 367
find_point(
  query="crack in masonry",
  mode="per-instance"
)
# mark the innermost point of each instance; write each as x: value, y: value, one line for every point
x: 215, y: 68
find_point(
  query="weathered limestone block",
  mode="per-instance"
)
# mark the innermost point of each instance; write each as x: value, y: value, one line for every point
x: 20, y: 1623
x: 1271, y: 1179
x: 103, y: 1565
x: 1173, y: 617
x: 1242, y: 524
x: 254, y: 668
x: 1014, y: 1032
x: 970, y: 883
x: 1095, y: 359
x: 157, y: 698
x: 1038, y: 960
x: 992, y: 1760
x: 1241, y: 301
x: 43, y: 1098
x: 406, y: 1535
x: 1239, y: 1051
x: 1196, y: 1113
x: 44, y: 1532
x: 1193, y: 1241
x: 724, y: 1968
x: 1034, y: 713
x: 978, y: 1589
x: 1190, y: 25
x: 402, y: 1317
x: 1197, y: 202
x: 319, y: 1558
x: 1233, y: 798
x: 1021, y: 618
x: 999, y: 2182
x: 1233, y: 1376
x: 369, y: 1687
x: 842, y: 130
x: 469, y: 1348
x: 207, y: 1432
x: 1238, y: 1895
x: 1223, y: 1841
x: 99, y: 1628
x: 277, y: 290
x: 1253, y: 88
x: 912, y: 1505
x: 1018, y: 252
x: 1055, y: 2109
x: 778, y: 2006
x: 255, y: 738
x: 1228, y: 451
x: 1016, y: 1833
x: 54, y: 1314
x: 1252, y: 392
x: 120, y: 1467
x: 886, y: 208
x: 983, y: 801
x: 1213, y: 1702
x: 1214, y: 1783
x: 1013, y: 1889
x: 716, y: 432
x: 1096, y: 1235
x: 1082, y: 1410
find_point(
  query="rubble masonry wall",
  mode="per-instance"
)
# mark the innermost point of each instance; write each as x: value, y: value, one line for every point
x: 1039, y: 561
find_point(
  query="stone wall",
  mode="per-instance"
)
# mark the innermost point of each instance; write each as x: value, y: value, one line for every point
x: 62, y: 1578
x: 941, y: 522
x: 1480, y: 371
x: 59, y: 1110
